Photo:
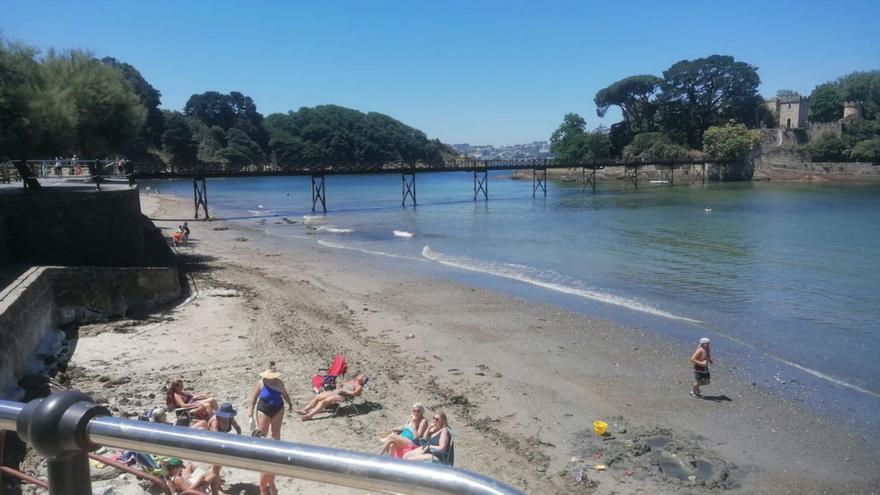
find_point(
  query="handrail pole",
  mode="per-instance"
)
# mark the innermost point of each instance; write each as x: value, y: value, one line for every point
x: 65, y: 425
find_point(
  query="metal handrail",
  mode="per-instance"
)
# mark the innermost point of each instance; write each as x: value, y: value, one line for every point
x: 296, y: 460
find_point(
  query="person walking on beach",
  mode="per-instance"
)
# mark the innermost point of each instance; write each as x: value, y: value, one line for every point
x: 267, y: 401
x: 701, y: 359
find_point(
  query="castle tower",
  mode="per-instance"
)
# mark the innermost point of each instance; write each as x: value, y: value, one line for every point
x: 793, y: 112
x: 852, y: 110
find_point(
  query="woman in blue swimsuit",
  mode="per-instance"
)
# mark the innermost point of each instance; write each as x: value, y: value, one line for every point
x: 268, y: 401
x: 403, y: 438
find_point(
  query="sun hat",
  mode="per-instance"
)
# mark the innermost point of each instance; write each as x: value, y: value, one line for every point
x: 226, y: 411
x: 270, y: 374
x: 704, y: 340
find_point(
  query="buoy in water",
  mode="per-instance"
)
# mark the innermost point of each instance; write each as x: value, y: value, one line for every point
x: 707, y: 209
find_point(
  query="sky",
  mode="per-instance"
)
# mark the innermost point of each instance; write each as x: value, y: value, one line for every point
x: 478, y: 72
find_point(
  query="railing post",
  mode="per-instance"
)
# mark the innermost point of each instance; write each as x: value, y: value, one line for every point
x: 56, y: 427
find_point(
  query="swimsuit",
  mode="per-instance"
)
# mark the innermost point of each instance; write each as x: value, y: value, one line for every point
x: 270, y: 402
x: 701, y: 374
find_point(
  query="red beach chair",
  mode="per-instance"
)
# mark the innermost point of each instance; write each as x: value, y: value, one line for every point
x: 327, y: 379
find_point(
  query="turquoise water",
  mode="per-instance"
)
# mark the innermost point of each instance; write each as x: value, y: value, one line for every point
x: 784, y: 277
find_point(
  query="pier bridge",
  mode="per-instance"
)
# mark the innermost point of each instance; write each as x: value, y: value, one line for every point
x: 98, y: 171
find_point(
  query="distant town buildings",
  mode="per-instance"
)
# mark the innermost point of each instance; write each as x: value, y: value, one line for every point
x: 536, y: 149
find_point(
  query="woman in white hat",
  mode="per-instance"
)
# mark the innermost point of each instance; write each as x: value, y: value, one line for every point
x: 268, y: 400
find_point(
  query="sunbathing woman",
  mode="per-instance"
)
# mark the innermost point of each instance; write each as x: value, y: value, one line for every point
x: 182, y: 476
x: 268, y: 401
x: 352, y: 388
x: 403, y: 439
x: 200, y: 406
x: 438, y: 438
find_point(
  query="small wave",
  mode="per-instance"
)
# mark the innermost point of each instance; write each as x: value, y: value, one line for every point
x: 402, y: 233
x: 500, y: 270
x: 336, y: 245
x: 312, y: 220
x: 333, y: 230
x: 261, y: 213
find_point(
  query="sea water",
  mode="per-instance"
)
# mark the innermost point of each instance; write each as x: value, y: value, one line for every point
x: 783, y: 277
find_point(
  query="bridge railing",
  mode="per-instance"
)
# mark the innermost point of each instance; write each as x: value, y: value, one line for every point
x: 65, y: 426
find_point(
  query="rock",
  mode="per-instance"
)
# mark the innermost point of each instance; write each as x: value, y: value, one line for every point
x: 122, y: 380
x: 222, y: 293
x: 103, y: 378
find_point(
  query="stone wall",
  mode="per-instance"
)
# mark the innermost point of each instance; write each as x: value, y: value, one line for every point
x: 45, y: 298
x: 26, y: 316
x: 5, y: 257
x: 66, y: 226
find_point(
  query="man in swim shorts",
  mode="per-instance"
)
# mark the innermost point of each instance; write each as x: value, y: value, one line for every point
x: 701, y: 359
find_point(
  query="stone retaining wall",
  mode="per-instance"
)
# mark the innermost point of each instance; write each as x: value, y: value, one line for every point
x: 45, y: 298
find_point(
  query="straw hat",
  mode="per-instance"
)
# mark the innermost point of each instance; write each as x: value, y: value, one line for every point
x: 270, y: 374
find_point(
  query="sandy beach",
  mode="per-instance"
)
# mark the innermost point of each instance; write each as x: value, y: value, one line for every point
x: 521, y: 382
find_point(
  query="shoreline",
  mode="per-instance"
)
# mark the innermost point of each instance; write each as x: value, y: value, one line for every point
x: 522, y: 381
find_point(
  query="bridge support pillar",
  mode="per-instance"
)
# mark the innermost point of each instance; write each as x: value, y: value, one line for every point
x: 318, y: 193
x: 200, y: 195
x: 408, y: 187
x: 539, y: 181
x: 481, y: 184
x: 631, y: 175
x: 588, y: 178
x: 668, y: 174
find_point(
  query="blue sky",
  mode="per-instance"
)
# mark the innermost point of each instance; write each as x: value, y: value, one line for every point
x: 482, y: 72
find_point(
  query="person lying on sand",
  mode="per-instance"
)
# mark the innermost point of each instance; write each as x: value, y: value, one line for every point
x: 182, y: 476
x: 403, y: 439
x: 438, y: 440
x: 200, y: 406
x: 351, y: 388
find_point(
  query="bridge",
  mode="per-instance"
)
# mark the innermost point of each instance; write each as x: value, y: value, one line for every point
x: 105, y: 170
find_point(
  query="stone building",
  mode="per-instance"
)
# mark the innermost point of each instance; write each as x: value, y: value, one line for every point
x: 790, y: 112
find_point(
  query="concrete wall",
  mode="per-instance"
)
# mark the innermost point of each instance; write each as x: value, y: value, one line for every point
x: 65, y: 226
x: 26, y: 316
x: 5, y: 257
x: 44, y: 298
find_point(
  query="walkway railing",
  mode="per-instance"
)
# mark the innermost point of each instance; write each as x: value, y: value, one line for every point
x: 65, y: 426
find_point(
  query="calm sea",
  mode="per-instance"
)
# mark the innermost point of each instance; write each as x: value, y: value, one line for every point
x: 783, y: 277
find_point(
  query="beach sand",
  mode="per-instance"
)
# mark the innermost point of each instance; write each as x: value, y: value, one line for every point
x: 521, y: 382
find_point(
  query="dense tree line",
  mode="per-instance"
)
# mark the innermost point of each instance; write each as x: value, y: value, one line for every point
x: 667, y: 117
x: 70, y: 103
x: 861, y: 137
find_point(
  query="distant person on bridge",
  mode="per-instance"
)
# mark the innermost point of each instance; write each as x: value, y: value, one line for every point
x: 701, y: 359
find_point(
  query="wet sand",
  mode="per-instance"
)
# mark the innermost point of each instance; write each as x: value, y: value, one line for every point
x: 521, y: 382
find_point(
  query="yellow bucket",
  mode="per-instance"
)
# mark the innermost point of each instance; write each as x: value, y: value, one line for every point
x: 599, y: 427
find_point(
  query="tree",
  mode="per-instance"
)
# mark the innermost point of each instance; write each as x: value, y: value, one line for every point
x: 826, y: 103
x: 788, y: 94
x: 697, y: 94
x: 866, y: 151
x: 178, y: 141
x: 573, y: 144
x: 635, y: 97
x: 150, y: 98
x: 730, y: 142
x: 227, y: 111
x: 100, y: 111
x: 653, y: 146
x: 21, y: 80
x: 828, y: 148
x: 240, y: 148
x: 863, y: 87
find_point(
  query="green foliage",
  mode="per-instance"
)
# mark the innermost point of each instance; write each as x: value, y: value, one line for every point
x: 860, y: 129
x: 635, y: 97
x: 867, y: 150
x: 572, y: 143
x: 730, y: 142
x: 101, y: 108
x: 328, y: 133
x: 240, y: 148
x: 650, y: 146
x: 697, y: 94
x: 21, y: 80
x: 787, y: 94
x: 826, y: 103
x: 828, y: 148
x: 178, y: 141
x: 863, y: 87
x: 228, y: 111
x: 150, y: 98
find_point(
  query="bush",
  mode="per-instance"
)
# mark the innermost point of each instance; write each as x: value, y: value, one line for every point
x: 828, y: 148
x: 730, y: 142
x: 866, y: 151
x: 650, y: 146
